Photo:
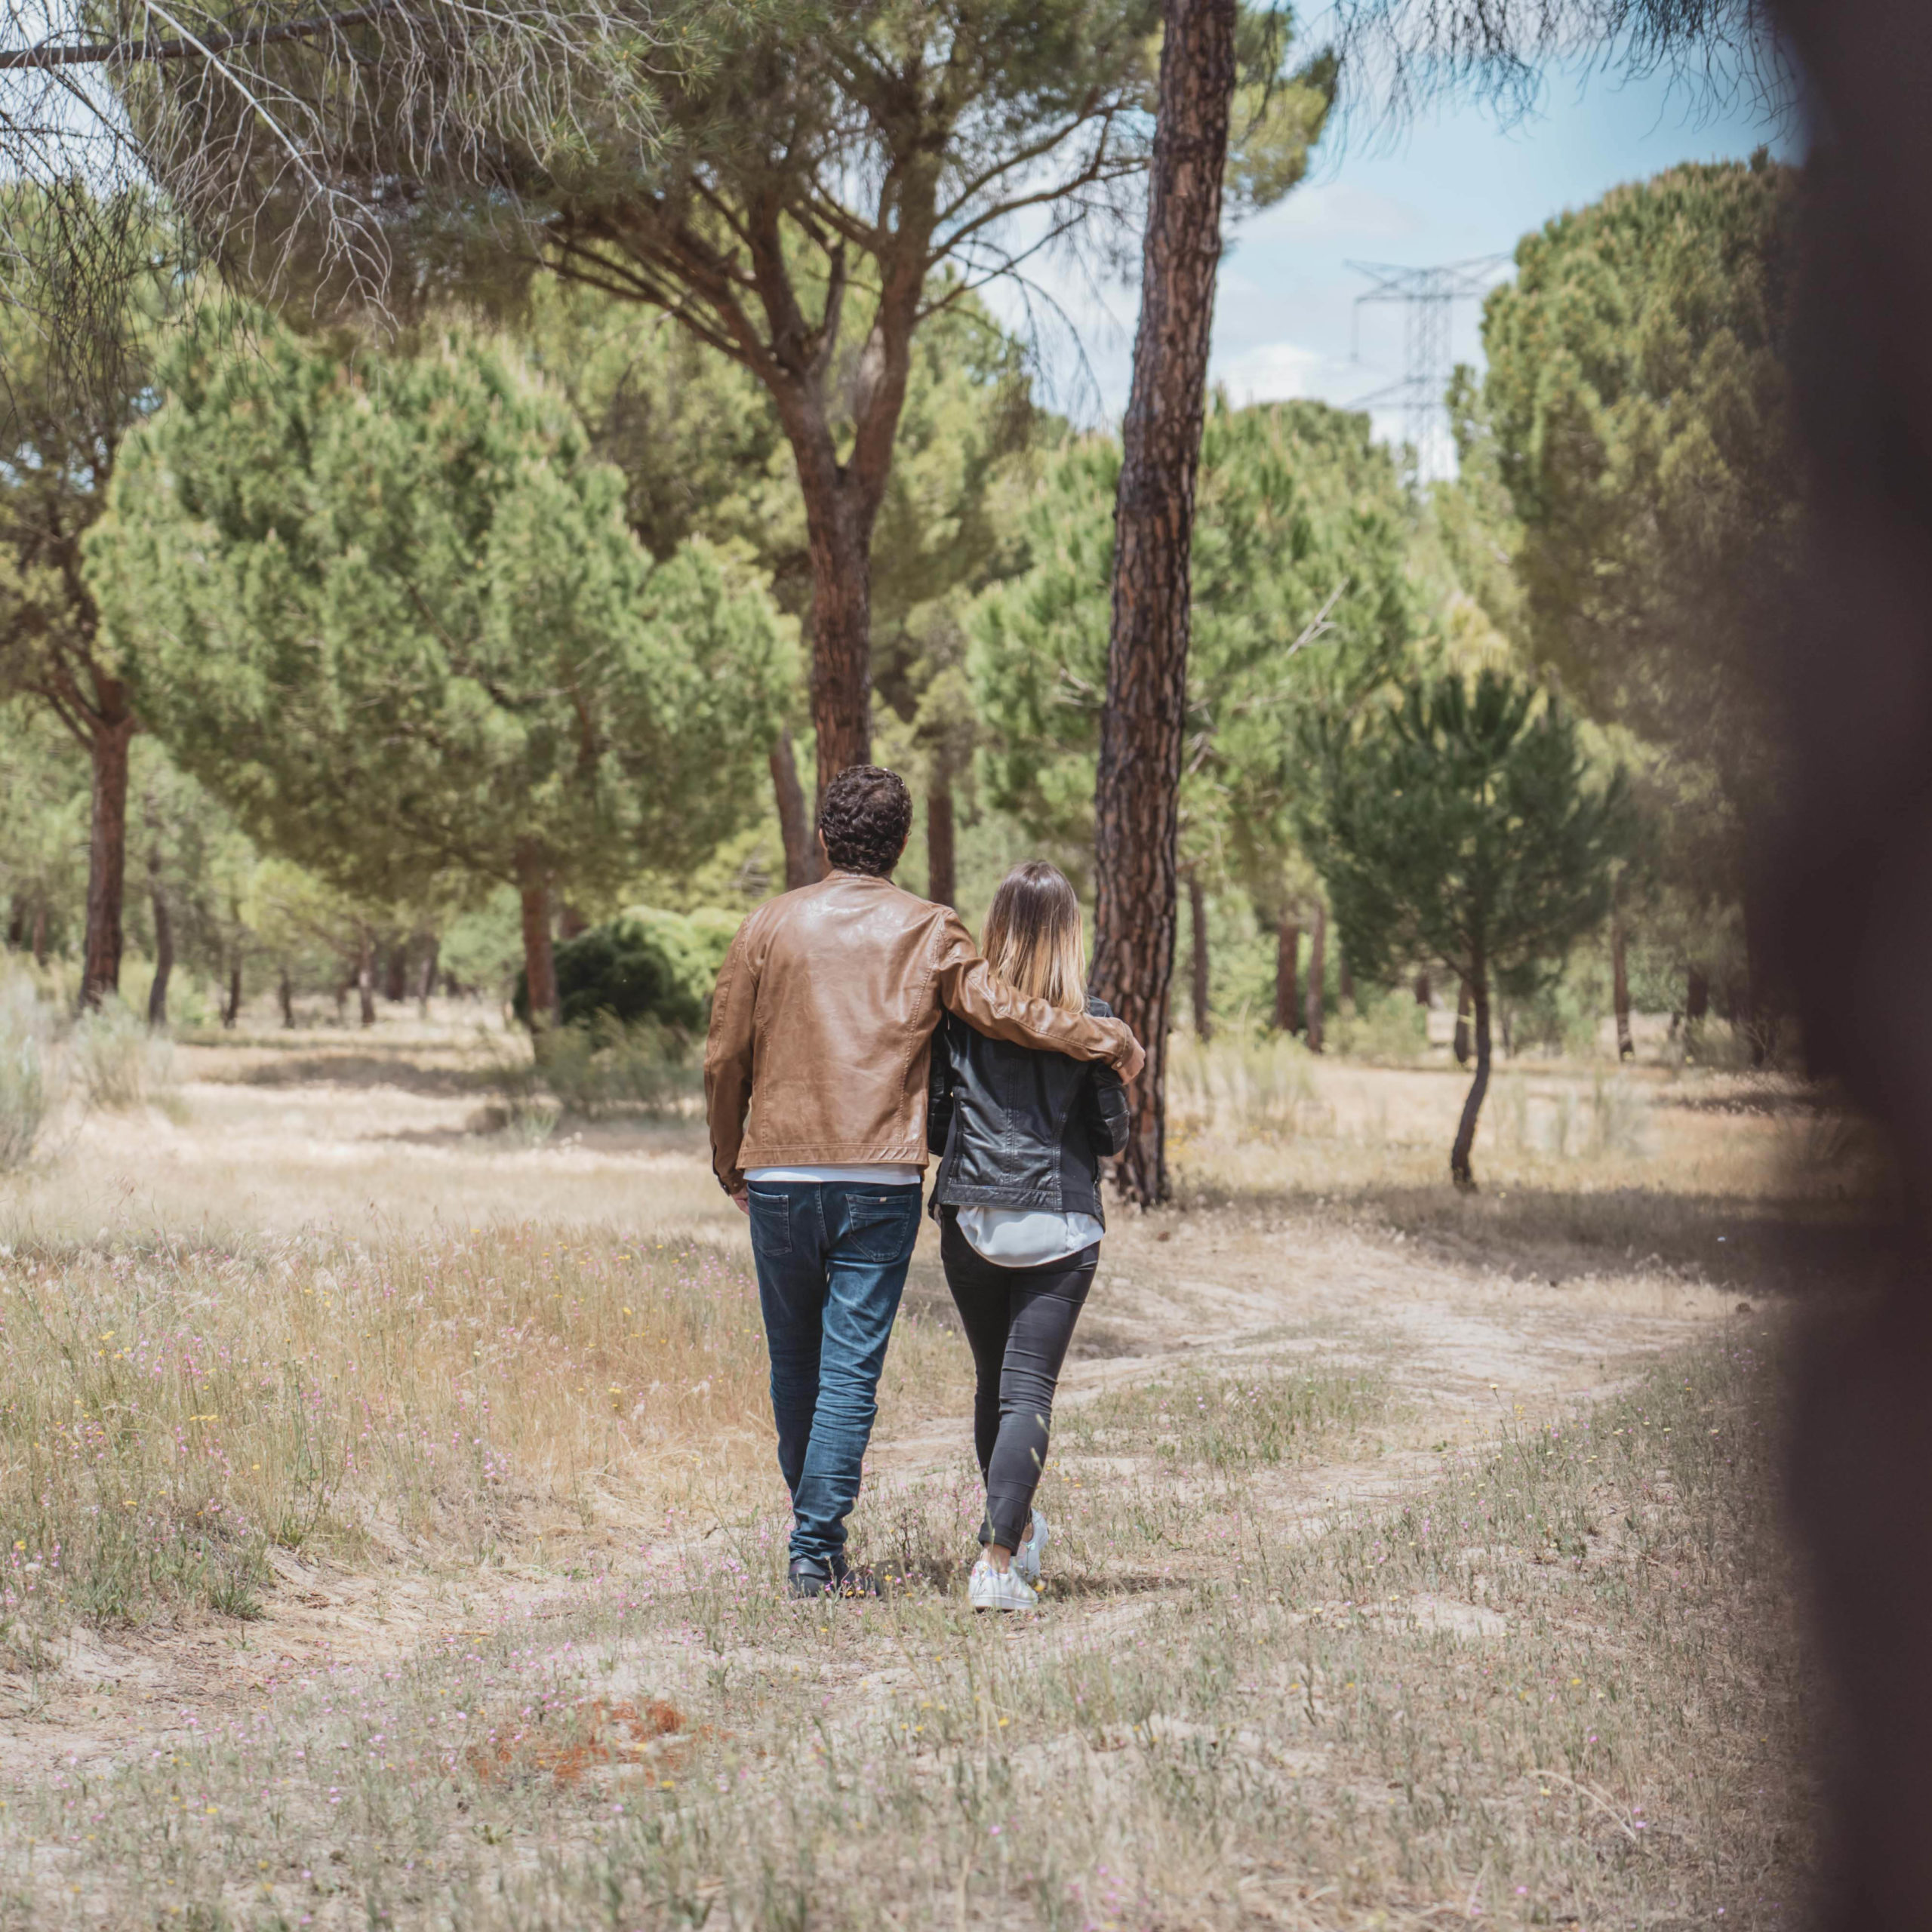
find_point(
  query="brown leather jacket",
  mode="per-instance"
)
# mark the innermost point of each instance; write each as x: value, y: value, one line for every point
x: 822, y: 1023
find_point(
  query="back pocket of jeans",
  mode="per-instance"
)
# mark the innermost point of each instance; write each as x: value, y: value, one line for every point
x: 882, y: 1228
x: 771, y: 1222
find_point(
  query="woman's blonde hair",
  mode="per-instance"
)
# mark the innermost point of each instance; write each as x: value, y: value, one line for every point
x: 1033, y: 938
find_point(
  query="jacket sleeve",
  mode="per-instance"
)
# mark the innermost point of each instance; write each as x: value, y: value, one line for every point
x: 1108, y: 1118
x: 728, y: 1061
x: 966, y: 985
x: 939, y: 1094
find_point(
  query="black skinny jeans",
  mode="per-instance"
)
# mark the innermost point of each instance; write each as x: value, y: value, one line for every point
x: 1018, y: 1322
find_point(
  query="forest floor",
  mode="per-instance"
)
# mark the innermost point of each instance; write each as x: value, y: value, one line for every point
x: 395, y: 1538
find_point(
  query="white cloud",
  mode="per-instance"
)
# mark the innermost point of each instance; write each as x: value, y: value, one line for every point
x: 1269, y: 372
x: 1334, y: 211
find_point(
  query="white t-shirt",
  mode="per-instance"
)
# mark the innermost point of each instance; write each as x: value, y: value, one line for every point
x: 1026, y: 1237
x: 890, y: 1173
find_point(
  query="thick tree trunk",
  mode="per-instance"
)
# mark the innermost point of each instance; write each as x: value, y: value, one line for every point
x: 1422, y: 990
x: 425, y: 985
x: 231, y: 1011
x: 1697, y: 993
x: 396, y: 973
x: 107, y: 854
x: 365, y: 979
x: 839, y: 537
x: 1288, y: 958
x: 1460, y: 1171
x: 1197, y: 925
x: 1318, y: 975
x: 163, y: 948
x: 539, y: 965
x: 1619, y: 988
x: 285, y: 995
x: 1137, y: 795
x: 1462, y: 1024
x: 795, y: 821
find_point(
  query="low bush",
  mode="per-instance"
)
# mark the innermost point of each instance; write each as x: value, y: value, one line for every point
x: 1234, y: 1088
x: 25, y: 1073
x: 604, y: 1065
x: 644, y: 965
x: 119, y: 1063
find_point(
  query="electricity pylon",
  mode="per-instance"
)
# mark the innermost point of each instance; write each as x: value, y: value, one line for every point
x: 1428, y: 297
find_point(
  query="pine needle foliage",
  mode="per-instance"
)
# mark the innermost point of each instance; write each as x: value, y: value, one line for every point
x: 1460, y: 825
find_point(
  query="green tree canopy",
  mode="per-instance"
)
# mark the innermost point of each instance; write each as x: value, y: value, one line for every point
x: 389, y: 612
x: 703, y: 453
x: 791, y: 185
x: 1460, y: 825
x: 1636, y: 412
x: 1299, y: 592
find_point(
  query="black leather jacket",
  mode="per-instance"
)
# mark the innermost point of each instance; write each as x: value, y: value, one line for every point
x: 1017, y: 1127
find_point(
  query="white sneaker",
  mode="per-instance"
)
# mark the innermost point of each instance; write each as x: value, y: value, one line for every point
x: 989, y: 1588
x: 1026, y: 1557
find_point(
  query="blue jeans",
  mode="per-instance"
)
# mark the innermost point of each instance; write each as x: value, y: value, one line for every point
x: 832, y: 1257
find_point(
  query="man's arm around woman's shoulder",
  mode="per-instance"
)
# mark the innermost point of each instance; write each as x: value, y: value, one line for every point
x: 966, y: 985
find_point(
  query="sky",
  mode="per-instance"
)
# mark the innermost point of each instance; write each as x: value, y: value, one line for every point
x: 1457, y: 185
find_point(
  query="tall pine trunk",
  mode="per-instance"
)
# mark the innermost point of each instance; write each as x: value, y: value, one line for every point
x: 365, y: 979
x: 107, y: 850
x: 1422, y: 990
x: 539, y: 965
x: 795, y: 821
x: 1620, y: 989
x: 1288, y: 959
x: 839, y: 540
x: 284, y: 995
x: 396, y: 973
x: 1317, y: 974
x: 1461, y: 1042
x: 1137, y: 795
x: 1460, y: 1171
x: 232, y: 1011
x: 942, y: 862
x: 163, y: 946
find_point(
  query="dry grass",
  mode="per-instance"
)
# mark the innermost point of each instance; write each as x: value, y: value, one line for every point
x: 1555, y: 1686
x: 170, y: 1413
x: 1337, y: 1634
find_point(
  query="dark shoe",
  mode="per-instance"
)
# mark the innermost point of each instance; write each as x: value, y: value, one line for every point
x: 806, y: 1579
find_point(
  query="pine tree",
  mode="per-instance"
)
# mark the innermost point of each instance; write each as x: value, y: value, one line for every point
x: 390, y: 614
x: 1460, y: 825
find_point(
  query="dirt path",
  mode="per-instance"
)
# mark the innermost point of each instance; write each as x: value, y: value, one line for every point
x: 1463, y: 1348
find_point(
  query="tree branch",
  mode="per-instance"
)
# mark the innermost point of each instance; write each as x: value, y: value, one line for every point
x: 188, y: 47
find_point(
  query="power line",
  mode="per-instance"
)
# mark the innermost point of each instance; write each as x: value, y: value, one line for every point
x: 1428, y: 297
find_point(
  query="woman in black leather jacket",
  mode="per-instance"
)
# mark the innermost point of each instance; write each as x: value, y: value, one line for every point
x: 1017, y: 1196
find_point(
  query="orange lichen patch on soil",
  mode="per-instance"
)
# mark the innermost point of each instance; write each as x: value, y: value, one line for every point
x: 590, y: 1734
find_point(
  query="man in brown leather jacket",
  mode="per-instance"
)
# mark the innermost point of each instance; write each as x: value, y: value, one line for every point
x: 815, y: 1079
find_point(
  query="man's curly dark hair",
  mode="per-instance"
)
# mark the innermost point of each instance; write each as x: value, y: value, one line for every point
x: 864, y: 818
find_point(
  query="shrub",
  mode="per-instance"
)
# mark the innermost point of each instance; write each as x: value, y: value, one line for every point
x: 644, y: 965
x: 121, y: 1064
x: 26, y: 1081
x: 1237, y: 1089
x: 606, y: 1065
x: 1389, y: 1027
